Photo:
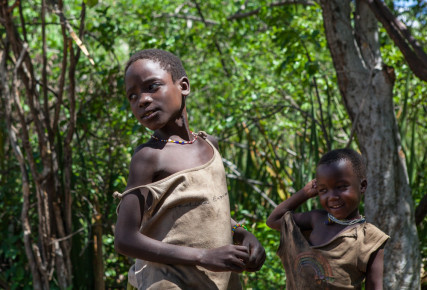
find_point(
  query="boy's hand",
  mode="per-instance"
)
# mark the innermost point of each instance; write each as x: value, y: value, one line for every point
x: 256, y: 250
x: 226, y: 258
x: 310, y: 189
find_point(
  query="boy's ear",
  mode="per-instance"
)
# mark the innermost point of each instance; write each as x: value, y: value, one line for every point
x: 184, y: 84
x: 363, y: 185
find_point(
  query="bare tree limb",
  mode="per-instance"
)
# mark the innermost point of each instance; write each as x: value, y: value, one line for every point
x: 402, y: 38
x: 44, y: 75
x: 241, y: 15
x: 186, y: 17
x: 21, y: 16
x: 63, y: 73
x: 316, y: 90
x: 227, y: 73
x: 72, y: 33
x: 236, y: 171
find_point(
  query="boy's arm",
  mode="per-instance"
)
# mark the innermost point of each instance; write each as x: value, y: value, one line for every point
x: 374, y: 271
x: 256, y: 250
x: 130, y: 242
x: 293, y: 202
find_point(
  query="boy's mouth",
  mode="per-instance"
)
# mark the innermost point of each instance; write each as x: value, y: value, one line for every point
x: 147, y: 114
x: 336, y: 206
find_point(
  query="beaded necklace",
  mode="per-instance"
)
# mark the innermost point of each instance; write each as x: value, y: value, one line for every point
x: 175, y: 141
x: 332, y: 219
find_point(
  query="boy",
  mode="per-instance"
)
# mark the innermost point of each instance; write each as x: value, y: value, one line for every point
x: 174, y: 216
x: 342, y: 249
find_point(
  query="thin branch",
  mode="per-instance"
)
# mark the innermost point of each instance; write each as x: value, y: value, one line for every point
x: 199, y: 10
x: 72, y: 33
x: 21, y: 16
x: 48, y: 88
x: 241, y: 15
x: 279, y: 109
x: 186, y: 17
x: 14, y: 5
x: 316, y: 89
x: 63, y: 73
x: 248, y: 180
x: 236, y: 171
x: 44, y: 76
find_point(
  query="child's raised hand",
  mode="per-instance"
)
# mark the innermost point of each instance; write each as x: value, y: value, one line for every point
x: 225, y: 258
x: 310, y: 189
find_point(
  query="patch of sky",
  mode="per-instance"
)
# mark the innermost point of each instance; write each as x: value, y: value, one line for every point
x: 405, y: 3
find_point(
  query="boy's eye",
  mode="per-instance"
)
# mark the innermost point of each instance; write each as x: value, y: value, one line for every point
x: 153, y: 87
x: 322, y: 191
x: 132, y: 97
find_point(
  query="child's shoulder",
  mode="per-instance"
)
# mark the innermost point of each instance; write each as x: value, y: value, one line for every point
x: 143, y: 164
x: 317, y: 213
x: 145, y: 152
x: 308, y: 220
x: 372, y: 231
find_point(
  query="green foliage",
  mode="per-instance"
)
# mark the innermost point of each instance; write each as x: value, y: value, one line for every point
x: 257, y: 84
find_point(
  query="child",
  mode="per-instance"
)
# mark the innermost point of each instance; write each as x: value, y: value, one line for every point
x: 341, y: 249
x: 174, y: 216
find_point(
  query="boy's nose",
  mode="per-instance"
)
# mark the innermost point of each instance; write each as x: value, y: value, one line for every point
x: 335, y: 194
x: 145, y: 100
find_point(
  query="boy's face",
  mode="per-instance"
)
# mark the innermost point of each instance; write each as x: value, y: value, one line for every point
x: 340, y: 190
x: 154, y: 98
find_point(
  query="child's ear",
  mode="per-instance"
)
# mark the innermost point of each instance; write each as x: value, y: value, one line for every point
x: 184, y: 84
x: 363, y: 185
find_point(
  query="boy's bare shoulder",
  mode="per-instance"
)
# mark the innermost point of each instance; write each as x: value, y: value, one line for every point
x: 143, y: 165
x: 315, y: 213
x: 318, y: 213
x: 308, y: 218
x: 145, y: 153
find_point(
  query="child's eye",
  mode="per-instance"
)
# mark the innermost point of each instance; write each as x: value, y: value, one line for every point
x: 153, y: 87
x: 322, y: 191
x: 132, y: 97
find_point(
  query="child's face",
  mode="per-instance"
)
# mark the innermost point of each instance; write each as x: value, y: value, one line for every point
x: 340, y: 190
x: 154, y: 98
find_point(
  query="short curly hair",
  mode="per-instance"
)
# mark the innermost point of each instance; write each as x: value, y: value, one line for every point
x: 168, y: 61
x: 351, y: 155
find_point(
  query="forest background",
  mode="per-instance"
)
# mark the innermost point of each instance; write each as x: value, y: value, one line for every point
x: 265, y: 80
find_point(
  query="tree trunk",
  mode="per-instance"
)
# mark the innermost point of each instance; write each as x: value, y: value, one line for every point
x: 366, y: 86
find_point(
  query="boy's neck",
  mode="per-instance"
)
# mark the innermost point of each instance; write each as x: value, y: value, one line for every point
x: 179, y: 128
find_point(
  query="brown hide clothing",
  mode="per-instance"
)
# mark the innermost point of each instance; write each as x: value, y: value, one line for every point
x: 338, y: 264
x: 189, y: 208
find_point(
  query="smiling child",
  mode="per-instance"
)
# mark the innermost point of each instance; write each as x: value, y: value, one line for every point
x: 342, y: 249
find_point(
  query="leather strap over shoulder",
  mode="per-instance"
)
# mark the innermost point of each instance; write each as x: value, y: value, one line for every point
x: 117, y: 194
x: 202, y: 134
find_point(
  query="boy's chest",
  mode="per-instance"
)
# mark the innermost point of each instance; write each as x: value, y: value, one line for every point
x: 322, y: 233
x: 176, y: 158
